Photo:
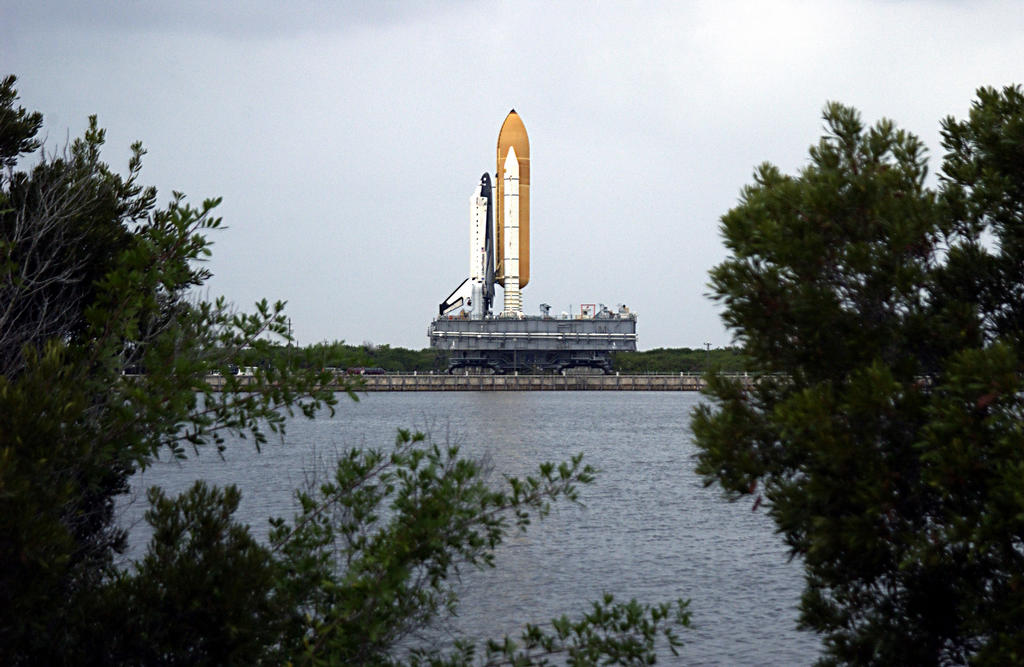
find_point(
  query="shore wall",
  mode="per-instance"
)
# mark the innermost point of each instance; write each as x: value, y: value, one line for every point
x: 533, y: 383
x: 442, y: 382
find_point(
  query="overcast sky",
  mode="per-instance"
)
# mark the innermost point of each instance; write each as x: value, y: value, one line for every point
x: 347, y: 137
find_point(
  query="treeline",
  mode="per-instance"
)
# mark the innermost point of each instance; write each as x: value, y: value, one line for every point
x: 679, y: 360
x: 342, y: 356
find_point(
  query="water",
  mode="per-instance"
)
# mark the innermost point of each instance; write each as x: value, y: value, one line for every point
x: 648, y: 530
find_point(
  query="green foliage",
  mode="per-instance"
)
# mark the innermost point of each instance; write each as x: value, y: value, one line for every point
x: 94, y: 278
x: 18, y: 127
x: 680, y: 360
x: 375, y: 553
x: 887, y: 444
x: 205, y: 593
x: 610, y: 633
x: 341, y: 357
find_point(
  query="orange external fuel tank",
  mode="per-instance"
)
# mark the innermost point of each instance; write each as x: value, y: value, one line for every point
x: 513, y: 135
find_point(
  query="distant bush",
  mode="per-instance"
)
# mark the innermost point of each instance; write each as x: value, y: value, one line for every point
x: 679, y: 360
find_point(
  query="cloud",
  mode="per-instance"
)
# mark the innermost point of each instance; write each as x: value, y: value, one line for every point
x: 346, y: 138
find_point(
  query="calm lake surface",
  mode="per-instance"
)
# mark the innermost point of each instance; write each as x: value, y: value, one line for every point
x: 648, y: 530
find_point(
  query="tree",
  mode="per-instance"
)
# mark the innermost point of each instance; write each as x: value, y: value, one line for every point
x: 885, y: 437
x: 95, y: 279
x: 379, y: 545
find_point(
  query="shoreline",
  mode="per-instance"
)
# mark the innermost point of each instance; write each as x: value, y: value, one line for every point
x: 466, y: 382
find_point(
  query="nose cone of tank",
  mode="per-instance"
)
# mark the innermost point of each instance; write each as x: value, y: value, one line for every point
x: 513, y: 133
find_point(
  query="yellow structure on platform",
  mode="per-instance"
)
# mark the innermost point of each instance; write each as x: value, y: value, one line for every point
x: 513, y: 136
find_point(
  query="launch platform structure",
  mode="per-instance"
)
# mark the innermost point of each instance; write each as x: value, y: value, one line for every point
x: 537, y: 344
x: 467, y: 330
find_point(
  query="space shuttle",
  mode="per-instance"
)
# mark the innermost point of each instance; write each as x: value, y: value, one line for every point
x: 477, y: 291
x: 499, y: 250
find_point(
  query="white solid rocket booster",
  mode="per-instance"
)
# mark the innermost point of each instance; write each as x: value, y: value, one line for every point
x: 510, y: 259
